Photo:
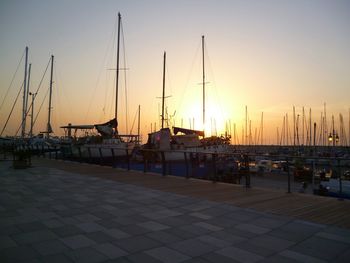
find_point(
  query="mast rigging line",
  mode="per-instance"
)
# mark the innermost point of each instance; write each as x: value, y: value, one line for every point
x: 37, y: 90
x: 196, y: 54
x: 41, y: 105
x: 133, y: 123
x: 13, y: 106
x: 110, y: 46
x: 13, y: 77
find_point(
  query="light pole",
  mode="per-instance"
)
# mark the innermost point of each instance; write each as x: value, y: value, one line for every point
x: 333, y: 137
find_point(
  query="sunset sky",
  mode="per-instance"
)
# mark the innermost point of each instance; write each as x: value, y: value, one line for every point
x: 266, y: 55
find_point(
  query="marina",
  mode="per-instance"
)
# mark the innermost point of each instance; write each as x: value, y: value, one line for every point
x: 176, y: 133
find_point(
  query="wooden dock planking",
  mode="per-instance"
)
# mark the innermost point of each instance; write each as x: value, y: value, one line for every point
x: 324, y: 210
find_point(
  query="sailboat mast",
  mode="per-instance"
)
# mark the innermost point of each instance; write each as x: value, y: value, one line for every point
x: 117, y: 72
x: 203, y: 65
x: 32, y: 114
x: 138, y: 126
x: 24, y: 111
x: 163, y: 96
x: 49, y: 129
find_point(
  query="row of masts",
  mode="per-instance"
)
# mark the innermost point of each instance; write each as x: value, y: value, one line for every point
x: 26, y: 107
x: 301, y: 131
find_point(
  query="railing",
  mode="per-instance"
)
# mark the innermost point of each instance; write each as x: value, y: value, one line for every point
x: 309, y: 174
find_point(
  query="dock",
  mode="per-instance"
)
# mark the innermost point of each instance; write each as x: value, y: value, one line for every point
x: 63, y: 211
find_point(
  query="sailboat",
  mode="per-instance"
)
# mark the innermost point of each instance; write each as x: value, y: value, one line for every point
x: 110, y: 143
x: 182, y: 140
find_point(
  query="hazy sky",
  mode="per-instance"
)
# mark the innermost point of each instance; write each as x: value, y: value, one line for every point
x: 268, y: 55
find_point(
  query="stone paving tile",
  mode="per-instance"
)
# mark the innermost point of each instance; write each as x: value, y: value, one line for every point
x: 116, y: 233
x: 130, y: 220
x: 6, y: 242
x: 213, y: 241
x: 77, y: 241
x: 198, y: 206
x: 153, y: 226
x: 16, y: 254
x: 280, y: 259
x: 173, y: 221
x: 244, y: 215
x: 68, y: 220
x: 192, y: 247
x: 217, y: 258
x: 110, y: 250
x: 134, y: 230
x: 196, y: 260
x: 33, y: 237
x: 57, y: 258
x: 52, y: 223
x: 30, y: 227
x: 239, y: 254
x: 223, y: 222
x: 99, y: 237
x: 321, y: 248
x: 300, y: 257
x: 9, y: 230
x: 136, y: 244
x: 90, y: 227
x: 269, y: 222
x: 161, y: 214
x: 142, y: 257
x: 108, y: 223
x: 163, y: 237
x: 295, y: 231
x: 165, y: 254
x: 194, y: 229
x: 252, y: 228
x: 335, y: 237
x: 50, y: 247
x: 102, y: 214
x: 342, y: 258
x: 201, y: 215
x: 86, y: 218
x: 265, y: 245
x: 67, y: 230
x: 208, y: 226
x: 228, y: 237
x: 337, y: 231
x: 86, y: 255
x: 241, y: 232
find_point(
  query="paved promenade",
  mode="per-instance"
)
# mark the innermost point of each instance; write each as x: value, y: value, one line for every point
x: 59, y: 211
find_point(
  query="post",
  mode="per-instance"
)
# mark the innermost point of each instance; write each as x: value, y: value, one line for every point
x: 163, y: 163
x: 340, y: 180
x: 186, y: 163
x: 288, y: 171
x: 128, y: 159
x: 113, y: 155
x: 214, y: 167
x: 89, y: 152
x: 79, y: 150
x: 145, y: 161
x: 101, y: 156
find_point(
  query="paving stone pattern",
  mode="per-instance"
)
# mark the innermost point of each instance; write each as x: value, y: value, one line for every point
x: 50, y: 215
